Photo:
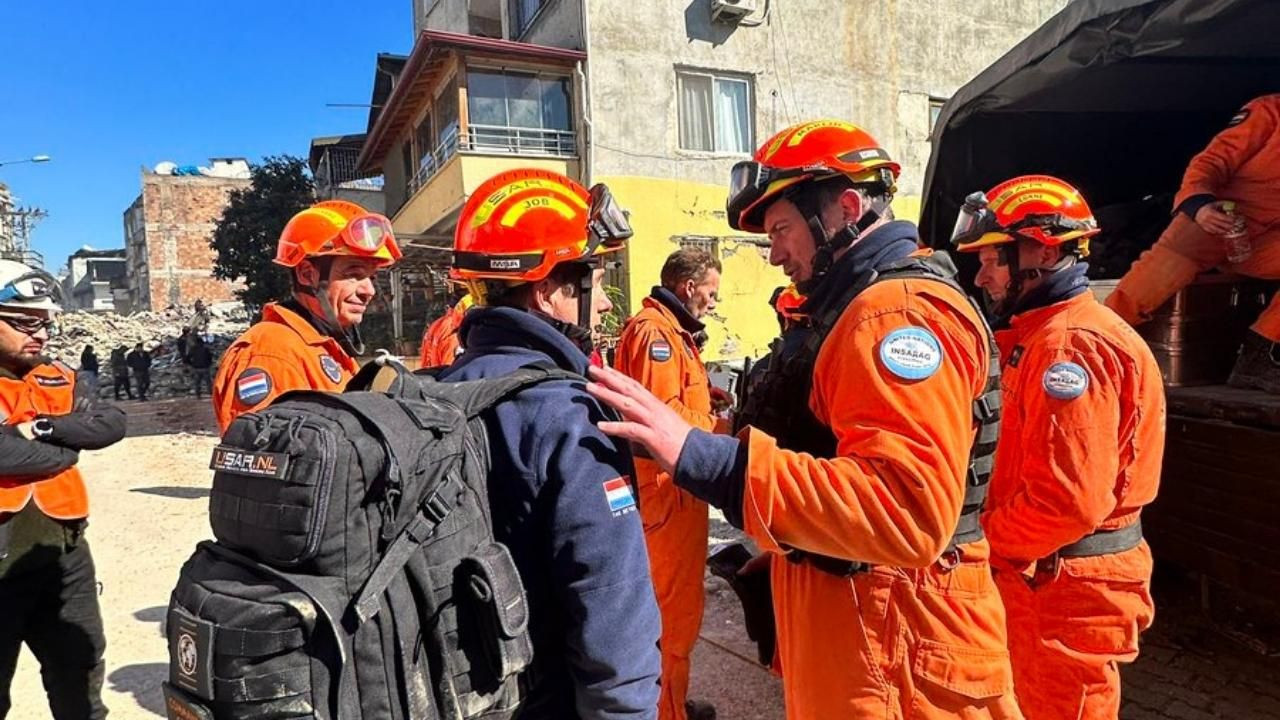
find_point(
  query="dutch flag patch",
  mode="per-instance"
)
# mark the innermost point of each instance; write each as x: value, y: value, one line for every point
x: 253, y: 386
x: 618, y: 492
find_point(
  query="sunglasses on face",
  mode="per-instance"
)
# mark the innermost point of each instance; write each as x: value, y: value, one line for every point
x: 28, y: 325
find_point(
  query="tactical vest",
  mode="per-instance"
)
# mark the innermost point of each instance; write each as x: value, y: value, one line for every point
x: 777, y: 401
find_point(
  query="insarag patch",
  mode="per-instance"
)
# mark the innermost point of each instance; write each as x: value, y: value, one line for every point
x: 1065, y: 381
x: 911, y: 353
x: 331, y: 368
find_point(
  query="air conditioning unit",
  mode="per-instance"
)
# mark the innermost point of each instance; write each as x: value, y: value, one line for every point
x: 732, y: 11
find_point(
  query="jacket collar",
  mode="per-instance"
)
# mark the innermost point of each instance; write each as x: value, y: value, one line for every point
x: 666, y: 302
x: 886, y: 244
x: 503, y: 330
x: 293, y: 316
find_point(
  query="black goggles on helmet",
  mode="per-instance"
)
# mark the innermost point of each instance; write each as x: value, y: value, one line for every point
x: 977, y: 219
x: 33, y: 286
x: 607, y: 223
x: 749, y: 180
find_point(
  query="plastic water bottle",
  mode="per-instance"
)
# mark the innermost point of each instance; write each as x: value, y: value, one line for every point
x: 1239, y: 247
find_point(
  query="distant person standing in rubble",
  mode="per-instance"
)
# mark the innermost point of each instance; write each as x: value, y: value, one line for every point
x: 89, y: 369
x: 1227, y: 214
x: 200, y: 358
x: 120, y: 372
x: 139, y: 361
x: 333, y: 250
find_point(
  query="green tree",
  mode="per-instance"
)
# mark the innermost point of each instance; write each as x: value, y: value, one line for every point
x: 245, y: 239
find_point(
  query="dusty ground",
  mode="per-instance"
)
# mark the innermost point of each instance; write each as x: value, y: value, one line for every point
x: 149, y: 497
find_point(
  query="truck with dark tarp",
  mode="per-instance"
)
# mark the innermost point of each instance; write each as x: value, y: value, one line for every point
x: 1115, y: 97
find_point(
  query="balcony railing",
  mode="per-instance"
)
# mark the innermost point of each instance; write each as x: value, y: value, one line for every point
x: 337, y: 169
x: 497, y: 139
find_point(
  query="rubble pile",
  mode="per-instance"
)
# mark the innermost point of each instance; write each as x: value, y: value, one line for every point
x: 220, y: 324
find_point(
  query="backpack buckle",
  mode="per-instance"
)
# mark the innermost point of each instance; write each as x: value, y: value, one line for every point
x: 435, y: 508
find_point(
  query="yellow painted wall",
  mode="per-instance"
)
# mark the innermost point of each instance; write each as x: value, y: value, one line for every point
x: 663, y: 209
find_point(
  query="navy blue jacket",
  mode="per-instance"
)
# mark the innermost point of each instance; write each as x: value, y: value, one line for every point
x: 580, y: 550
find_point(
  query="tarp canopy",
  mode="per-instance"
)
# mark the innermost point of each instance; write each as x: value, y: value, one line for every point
x: 1115, y: 96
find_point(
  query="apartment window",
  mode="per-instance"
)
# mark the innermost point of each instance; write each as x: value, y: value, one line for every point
x: 935, y: 110
x: 425, y: 145
x: 714, y: 112
x: 522, y: 14
x: 522, y: 112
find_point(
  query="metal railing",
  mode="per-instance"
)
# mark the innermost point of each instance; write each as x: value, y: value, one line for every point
x: 337, y: 169
x: 528, y: 142
x: 521, y: 141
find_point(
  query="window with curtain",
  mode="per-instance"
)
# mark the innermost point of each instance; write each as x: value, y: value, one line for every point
x: 714, y: 112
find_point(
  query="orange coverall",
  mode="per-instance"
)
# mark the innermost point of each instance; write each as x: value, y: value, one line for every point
x: 46, y: 390
x: 910, y: 637
x: 280, y: 353
x: 1242, y: 163
x: 655, y: 350
x: 440, y: 343
x: 1065, y: 468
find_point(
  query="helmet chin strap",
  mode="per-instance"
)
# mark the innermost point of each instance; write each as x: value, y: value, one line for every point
x: 579, y: 331
x: 829, y: 244
x: 1001, y: 311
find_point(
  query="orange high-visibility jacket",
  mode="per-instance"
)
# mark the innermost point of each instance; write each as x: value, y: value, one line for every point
x: 1080, y: 451
x: 1068, y: 467
x: 46, y: 390
x: 1242, y: 163
x: 280, y: 353
x: 911, y: 635
x: 440, y: 342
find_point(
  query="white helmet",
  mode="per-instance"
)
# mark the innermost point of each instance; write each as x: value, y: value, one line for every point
x: 27, y: 289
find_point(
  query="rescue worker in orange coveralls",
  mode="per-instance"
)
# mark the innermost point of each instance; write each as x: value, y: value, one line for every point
x: 440, y: 344
x: 863, y: 470
x: 1079, y: 452
x: 660, y: 347
x: 333, y: 249
x: 1240, y: 165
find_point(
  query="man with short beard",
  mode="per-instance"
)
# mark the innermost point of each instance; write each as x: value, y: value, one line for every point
x: 333, y: 249
x: 48, y: 587
x: 661, y: 348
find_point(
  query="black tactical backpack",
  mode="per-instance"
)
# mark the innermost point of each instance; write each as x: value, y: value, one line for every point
x: 355, y: 574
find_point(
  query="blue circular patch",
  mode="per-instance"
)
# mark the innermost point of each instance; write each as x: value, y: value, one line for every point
x: 331, y: 368
x: 911, y: 353
x: 1065, y: 381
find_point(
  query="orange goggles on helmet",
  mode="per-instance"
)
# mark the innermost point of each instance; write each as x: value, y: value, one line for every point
x: 321, y: 230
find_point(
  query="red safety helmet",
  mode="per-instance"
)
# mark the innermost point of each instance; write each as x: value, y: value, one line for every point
x: 809, y: 151
x: 337, y: 227
x: 519, y: 224
x: 1032, y: 207
x: 787, y: 302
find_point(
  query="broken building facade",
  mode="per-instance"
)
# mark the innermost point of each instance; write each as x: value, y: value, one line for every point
x: 167, y: 232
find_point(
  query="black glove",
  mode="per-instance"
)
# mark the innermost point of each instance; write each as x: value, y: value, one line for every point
x: 754, y: 591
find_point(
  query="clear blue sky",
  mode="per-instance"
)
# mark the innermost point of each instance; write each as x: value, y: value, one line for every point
x: 106, y: 88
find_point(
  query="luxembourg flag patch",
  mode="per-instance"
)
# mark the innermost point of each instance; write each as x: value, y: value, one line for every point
x: 618, y: 492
